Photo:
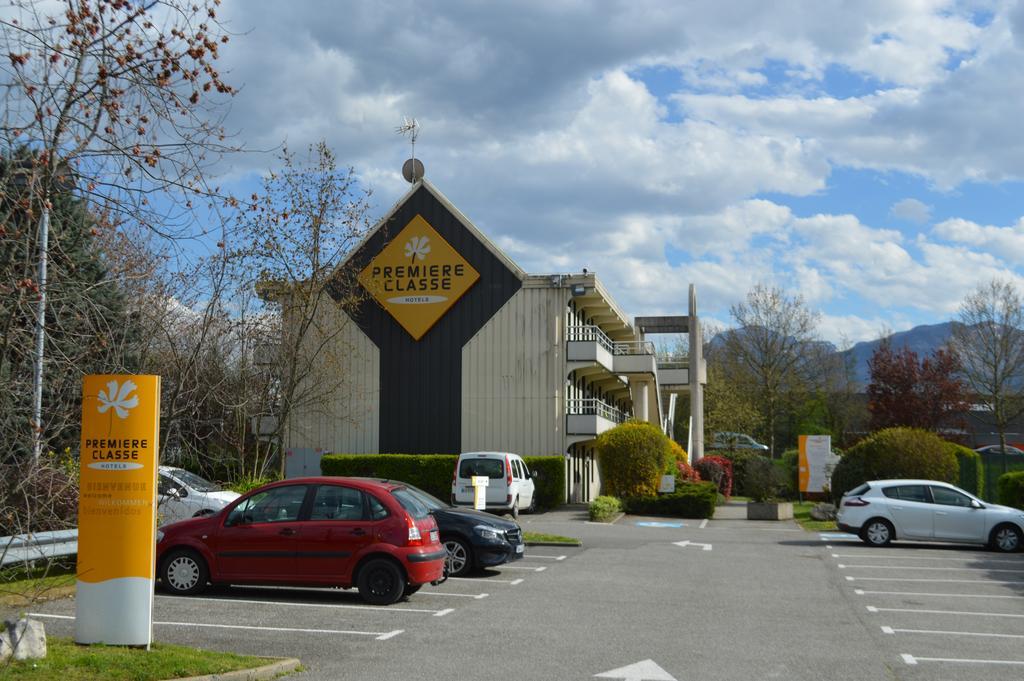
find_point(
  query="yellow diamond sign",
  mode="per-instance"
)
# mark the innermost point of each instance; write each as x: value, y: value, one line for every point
x: 418, y: 277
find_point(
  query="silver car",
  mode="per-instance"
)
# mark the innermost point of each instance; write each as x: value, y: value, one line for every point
x: 927, y: 510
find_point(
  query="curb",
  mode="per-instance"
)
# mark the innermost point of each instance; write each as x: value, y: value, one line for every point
x: 264, y: 673
x: 552, y: 543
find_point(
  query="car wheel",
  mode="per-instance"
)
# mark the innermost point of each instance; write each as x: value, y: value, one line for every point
x: 515, y: 508
x: 877, y: 532
x: 184, y: 572
x: 460, y: 557
x: 1005, y: 538
x: 381, y: 582
x: 410, y: 590
x: 532, y: 508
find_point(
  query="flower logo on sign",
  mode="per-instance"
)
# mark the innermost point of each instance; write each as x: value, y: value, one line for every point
x: 417, y: 247
x: 117, y: 398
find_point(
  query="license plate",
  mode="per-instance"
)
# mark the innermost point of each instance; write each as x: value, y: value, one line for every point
x: 433, y: 537
x: 519, y: 548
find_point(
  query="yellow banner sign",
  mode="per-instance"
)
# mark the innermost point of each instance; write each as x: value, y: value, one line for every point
x: 117, y: 508
x: 417, y: 277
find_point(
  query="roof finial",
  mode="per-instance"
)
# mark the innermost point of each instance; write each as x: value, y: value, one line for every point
x: 412, y: 170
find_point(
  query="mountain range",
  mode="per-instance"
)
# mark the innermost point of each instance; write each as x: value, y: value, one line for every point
x: 923, y: 340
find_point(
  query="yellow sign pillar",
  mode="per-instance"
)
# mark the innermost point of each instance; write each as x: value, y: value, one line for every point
x: 117, y: 509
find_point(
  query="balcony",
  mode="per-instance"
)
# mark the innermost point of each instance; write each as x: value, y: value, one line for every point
x: 590, y: 344
x: 674, y: 373
x: 591, y: 417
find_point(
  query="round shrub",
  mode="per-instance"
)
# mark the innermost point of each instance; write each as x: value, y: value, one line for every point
x: 895, y: 453
x: 604, y: 508
x: 740, y: 458
x: 677, y: 452
x: 632, y: 457
x: 718, y: 470
x: 762, y: 479
x: 686, y: 473
x: 1010, y: 487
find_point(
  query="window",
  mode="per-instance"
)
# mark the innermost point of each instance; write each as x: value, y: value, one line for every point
x: 492, y: 468
x: 517, y: 472
x: 856, y: 491
x: 916, y: 493
x: 333, y: 502
x: 280, y: 504
x: 377, y: 509
x: 410, y: 503
x: 948, y: 497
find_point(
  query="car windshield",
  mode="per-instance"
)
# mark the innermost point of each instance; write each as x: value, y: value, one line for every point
x: 193, y: 481
x: 427, y: 499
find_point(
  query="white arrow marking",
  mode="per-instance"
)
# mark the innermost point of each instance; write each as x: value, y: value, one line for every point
x: 647, y: 670
x: 684, y: 544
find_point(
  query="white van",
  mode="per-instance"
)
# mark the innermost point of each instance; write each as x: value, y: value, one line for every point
x: 509, y: 487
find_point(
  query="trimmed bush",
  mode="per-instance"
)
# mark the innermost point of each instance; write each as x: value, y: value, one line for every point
x: 972, y: 470
x: 686, y: 473
x: 633, y: 456
x: 1011, y: 489
x: 717, y: 469
x: 740, y: 459
x: 691, y: 500
x: 788, y: 466
x: 895, y: 453
x: 762, y: 480
x: 433, y: 472
x: 604, y: 508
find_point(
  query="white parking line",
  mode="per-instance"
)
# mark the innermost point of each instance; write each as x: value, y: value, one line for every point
x: 512, y: 582
x: 912, y: 660
x: 921, y: 579
x: 890, y: 556
x: 521, y: 567
x: 872, y: 608
x: 843, y: 566
x: 378, y: 635
x: 891, y: 630
x: 528, y: 556
x: 703, y: 523
x: 441, y: 593
x: 862, y: 592
x: 301, y: 605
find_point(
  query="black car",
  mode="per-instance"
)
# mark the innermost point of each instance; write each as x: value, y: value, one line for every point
x: 474, y: 539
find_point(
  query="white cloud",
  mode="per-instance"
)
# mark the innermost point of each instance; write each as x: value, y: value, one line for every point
x: 911, y: 210
x: 1006, y: 243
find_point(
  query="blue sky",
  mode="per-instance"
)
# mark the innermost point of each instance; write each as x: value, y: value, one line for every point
x: 863, y: 155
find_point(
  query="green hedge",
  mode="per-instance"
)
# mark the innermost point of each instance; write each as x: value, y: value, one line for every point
x: 691, y: 500
x: 433, y: 472
x: 996, y: 465
x: 604, y: 508
x: 633, y: 456
x: 1011, y: 489
x: 895, y: 453
x: 972, y: 470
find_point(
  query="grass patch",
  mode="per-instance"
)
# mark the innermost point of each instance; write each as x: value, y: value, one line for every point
x: 69, y: 662
x: 802, y: 514
x: 551, y: 538
x: 20, y: 587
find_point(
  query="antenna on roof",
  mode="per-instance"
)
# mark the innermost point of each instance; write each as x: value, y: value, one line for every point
x: 412, y: 170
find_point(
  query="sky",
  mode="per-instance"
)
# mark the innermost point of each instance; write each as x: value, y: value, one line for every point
x: 867, y: 156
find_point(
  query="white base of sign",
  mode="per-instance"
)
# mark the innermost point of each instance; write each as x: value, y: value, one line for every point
x: 115, y: 612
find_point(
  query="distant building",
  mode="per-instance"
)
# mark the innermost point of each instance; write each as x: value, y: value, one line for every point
x: 458, y: 349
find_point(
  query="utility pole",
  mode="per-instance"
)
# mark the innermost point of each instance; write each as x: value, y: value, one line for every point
x: 37, y: 374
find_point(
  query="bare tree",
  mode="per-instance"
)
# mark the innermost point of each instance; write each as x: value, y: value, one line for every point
x: 989, y: 341
x: 771, y: 344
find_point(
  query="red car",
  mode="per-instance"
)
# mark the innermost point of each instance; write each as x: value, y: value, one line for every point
x: 322, y: 531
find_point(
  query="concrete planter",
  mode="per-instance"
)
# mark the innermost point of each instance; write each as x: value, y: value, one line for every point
x: 769, y: 510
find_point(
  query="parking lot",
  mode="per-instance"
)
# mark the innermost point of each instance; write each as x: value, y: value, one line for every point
x: 950, y: 612
x: 720, y: 601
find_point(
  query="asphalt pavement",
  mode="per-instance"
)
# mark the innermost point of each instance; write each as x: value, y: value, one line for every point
x: 644, y: 598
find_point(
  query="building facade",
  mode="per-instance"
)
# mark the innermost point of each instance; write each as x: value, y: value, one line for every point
x: 457, y: 349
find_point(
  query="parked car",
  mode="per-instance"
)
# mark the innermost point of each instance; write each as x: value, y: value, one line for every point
x: 997, y: 450
x: 182, y: 495
x: 736, y: 441
x: 883, y: 510
x: 509, y: 486
x: 473, y: 539
x: 323, y: 531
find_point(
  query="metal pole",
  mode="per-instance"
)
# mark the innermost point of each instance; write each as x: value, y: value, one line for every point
x: 37, y: 378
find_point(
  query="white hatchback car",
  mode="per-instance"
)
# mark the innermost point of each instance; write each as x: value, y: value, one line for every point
x: 510, y: 485
x: 926, y: 510
x: 183, y: 495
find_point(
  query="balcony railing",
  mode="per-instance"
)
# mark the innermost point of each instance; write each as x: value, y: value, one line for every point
x: 634, y: 348
x: 595, y: 407
x: 593, y: 334
x: 677, y: 361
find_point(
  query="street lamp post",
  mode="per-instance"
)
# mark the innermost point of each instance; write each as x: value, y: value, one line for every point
x: 37, y: 360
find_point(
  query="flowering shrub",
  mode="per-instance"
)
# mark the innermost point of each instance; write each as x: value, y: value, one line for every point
x: 718, y: 470
x: 686, y: 473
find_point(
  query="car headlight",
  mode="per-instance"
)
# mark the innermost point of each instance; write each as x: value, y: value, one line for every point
x: 487, y: 532
x: 159, y: 536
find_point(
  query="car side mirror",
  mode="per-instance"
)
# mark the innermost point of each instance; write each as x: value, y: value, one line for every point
x: 976, y: 504
x: 173, y: 493
x: 533, y: 474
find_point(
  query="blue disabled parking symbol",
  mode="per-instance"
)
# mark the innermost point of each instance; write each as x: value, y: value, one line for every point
x: 652, y: 523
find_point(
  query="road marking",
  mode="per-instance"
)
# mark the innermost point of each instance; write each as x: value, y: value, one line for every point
x: 299, y: 605
x: 890, y: 630
x: 942, y: 581
x: 487, y: 580
x: 831, y: 536
x: 861, y: 592
x: 441, y: 593
x: 684, y: 544
x: 872, y: 608
x: 645, y: 670
x: 843, y: 566
x: 521, y: 567
x: 442, y: 613
x: 378, y: 635
x: 658, y: 523
x: 703, y: 523
x: 911, y: 660
x: 893, y: 557
x: 528, y: 556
